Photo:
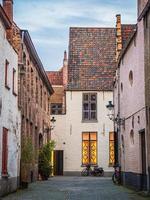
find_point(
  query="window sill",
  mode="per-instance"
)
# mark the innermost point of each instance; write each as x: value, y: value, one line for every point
x: 90, y: 121
x: 110, y: 165
x: 92, y: 165
x: 15, y: 94
x: 7, y: 87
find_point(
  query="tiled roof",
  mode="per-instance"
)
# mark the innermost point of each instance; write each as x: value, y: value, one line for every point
x: 91, y: 64
x: 127, y: 30
x: 55, y: 77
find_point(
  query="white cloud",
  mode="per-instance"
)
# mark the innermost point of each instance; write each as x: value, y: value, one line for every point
x: 53, y: 15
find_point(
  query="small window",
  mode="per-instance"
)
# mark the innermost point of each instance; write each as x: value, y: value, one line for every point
x: 56, y: 108
x: 14, y: 83
x: 132, y: 137
x: 121, y: 87
x: 131, y: 78
x: 89, y: 107
x: 111, y: 149
x: 6, y: 74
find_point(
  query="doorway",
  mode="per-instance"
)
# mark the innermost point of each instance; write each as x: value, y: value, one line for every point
x: 143, y: 160
x: 58, y: 162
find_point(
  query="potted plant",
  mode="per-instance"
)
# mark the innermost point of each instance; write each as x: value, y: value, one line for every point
x: 45, y: 165
x: 27, y: 157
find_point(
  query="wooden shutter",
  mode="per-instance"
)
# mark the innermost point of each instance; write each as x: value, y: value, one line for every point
x: 4, y: 151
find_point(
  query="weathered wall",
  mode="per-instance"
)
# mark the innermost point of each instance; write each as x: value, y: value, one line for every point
x: 10, y: 117
x: 147, y: 78
x: 132, y: 107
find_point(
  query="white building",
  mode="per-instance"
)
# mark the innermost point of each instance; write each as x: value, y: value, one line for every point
x: 83, y: 132
x: 9, y: 113
x: 129, y: 101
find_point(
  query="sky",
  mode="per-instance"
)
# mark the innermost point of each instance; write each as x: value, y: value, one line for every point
x: 48, y: 22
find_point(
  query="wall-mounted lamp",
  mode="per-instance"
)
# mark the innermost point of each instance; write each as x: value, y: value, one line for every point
x: 47, y: 130
x: 111, y: 116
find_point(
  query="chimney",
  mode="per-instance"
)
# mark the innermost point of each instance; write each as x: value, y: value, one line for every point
x: 118, y: 36
x: 8, y: 7
x: 141, y: 6
x: 65, y: 69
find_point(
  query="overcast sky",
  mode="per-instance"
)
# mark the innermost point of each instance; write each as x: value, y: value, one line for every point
x: 48, y: 22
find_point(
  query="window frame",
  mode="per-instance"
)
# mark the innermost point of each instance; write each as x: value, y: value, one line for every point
x: 111, y: 141
x: 14, y: 83
x: 90, y: 111
x: 5, y: 152
x: 89, y: 140
x: 6, y: 74
x: 57, y: 109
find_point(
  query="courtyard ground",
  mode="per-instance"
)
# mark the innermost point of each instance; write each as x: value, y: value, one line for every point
x: 75, y: 188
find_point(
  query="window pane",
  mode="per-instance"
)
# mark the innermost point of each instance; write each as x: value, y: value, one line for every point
x: 93, y: 152
x: 111, y: 149
x: 111, y: 136
x: 92, y: 136
x: 85, y: 115
x: 85, y: 97
x: 85, y: 152
x: 85, y: 136
x: 86, y: 106
x: 93, y: 97
x: 93, y: 106
x: 93, y: 115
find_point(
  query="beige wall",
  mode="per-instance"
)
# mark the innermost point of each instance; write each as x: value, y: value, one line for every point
x: 68, y: 131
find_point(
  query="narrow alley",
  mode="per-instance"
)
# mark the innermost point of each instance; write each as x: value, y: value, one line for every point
x: 75, y: 188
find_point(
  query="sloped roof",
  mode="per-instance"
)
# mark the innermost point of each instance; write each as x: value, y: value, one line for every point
x: 55, y: 77
x: 127, y: 30
x: 91, y: 64
x: 5, y: 18
x: 39, y: 65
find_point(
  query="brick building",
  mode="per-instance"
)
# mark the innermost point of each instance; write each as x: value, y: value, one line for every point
x: 10, y: 116
x: 34, y: 92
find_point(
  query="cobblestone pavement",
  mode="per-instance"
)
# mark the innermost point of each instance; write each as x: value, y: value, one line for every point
x: 75, y: 188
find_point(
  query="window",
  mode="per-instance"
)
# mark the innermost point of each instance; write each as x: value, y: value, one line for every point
x: 37, y: 91
x: 131, y: 78
x: 121, y: 87
x: 89, y: 107
x: 111, y: 149
x: 132, y: 137
x: 14, y: 83
x: 6, y: 74
x: 56, y: 108
x: 4, y: 151
x: 41, y: 88
x: 89, y: 148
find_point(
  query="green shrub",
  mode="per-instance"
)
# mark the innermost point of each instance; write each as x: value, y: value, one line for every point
x: 45, y: 165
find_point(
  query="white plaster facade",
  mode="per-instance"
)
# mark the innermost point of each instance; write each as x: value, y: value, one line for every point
x: 69, y: 128
x: 132, y: 104
x: 10, y: 115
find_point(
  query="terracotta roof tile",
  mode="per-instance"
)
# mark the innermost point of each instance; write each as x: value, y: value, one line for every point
x: 55, y: 77
x: 91, y: 64
x: 127, y: 31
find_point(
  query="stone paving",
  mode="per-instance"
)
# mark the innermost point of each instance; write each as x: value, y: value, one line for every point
x: 75, y: 188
